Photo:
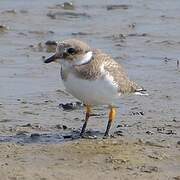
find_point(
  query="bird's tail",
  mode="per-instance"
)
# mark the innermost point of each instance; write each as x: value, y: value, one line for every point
x: 141, y: 92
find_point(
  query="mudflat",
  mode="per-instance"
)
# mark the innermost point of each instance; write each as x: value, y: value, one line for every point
x: 39, y: 134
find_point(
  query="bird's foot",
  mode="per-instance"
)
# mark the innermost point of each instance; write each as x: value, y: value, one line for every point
x: 106, y: 136
x: 82, y: 135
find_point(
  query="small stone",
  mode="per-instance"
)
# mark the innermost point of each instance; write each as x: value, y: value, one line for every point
x: 50, y: 43
x: 11, y: 11
x: 71, y: 106
x: 21, y: 133
x: 3, y: 28
x: 58, y: 126
x: 170, y: 131
x: 138, y: 113
x: 35, y: 135
x: 64, y: 127
x: 122, y: 125
x: 176, y: 178
x: 68, y: 6
x: 149, y: 169
x: 149, y: 132
x: 119, y: 133
x: 133, y: 25
x: 27, y: 125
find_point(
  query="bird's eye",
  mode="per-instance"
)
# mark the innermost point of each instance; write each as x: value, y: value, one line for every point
x: 71, y: 50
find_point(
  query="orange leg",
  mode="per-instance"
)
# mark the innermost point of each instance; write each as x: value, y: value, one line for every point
x: 88, y: 111
x: 112, y: 115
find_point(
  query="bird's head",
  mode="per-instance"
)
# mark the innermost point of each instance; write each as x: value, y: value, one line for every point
x: 72, y: 51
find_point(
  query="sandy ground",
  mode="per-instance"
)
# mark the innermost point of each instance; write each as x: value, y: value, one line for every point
x: 39, y: 140
x: 89, y: 159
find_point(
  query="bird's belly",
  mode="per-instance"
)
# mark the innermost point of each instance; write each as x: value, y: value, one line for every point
x: 93, y: 92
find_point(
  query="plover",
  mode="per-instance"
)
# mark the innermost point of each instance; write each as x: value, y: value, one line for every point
x: 93, y: 77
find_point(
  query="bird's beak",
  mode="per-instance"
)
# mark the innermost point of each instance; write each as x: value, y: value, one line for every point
x: 51, y: 59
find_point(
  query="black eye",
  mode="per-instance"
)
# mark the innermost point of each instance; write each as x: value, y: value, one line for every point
x: 71, y: 50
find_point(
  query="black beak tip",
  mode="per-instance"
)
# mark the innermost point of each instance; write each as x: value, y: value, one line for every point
x: 47, y: 61
x: 50, y: 59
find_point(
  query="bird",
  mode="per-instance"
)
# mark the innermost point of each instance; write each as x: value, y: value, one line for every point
x: 93, y: 77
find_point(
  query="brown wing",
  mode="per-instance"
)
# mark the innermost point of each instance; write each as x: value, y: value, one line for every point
x: 92, y: 71
x: 120, y: 76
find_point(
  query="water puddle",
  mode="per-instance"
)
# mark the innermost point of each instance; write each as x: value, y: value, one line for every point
x: 49, y: 138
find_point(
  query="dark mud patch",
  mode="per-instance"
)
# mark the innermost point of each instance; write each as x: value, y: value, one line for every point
x: 49, y: 138
x: 81, y: 33
x: 118, y: 6
x: 71, y: 15
x: 10, y: 11
x: 41, y: 33
x: 5, y: 120
x: 123, y: 36
x: 168, y: 43
x: 24, y: 138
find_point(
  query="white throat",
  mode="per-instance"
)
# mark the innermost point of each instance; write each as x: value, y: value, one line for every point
x: 86, y: 58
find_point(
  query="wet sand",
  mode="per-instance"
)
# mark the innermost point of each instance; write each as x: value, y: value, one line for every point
x: 89, y: 159
x: 39, y: 140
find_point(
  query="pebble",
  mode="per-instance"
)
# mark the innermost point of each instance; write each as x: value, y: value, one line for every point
x: 118, y: 133
x: 67, y: 136
x: 68, y: 6
x: 138, y: 113
x: 133, y: 25
x: 51, y: 43
x: 71, y: 106
x: 27, y: 125
x: 65, y: 6
x: 176, y: 178
x: 149, y: 132
x: 3, y: 28
x: 64, y: 127
x: 149, y: 169
x: 11, y: 11
x: 122, y: 125
x: 178, y: 143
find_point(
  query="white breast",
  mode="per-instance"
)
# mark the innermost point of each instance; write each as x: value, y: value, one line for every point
x: 103, y: 91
